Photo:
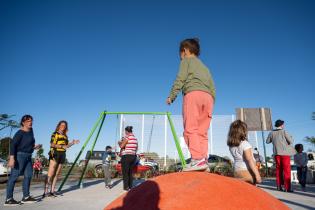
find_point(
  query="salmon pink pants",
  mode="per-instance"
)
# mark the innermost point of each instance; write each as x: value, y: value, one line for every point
x: 197, y: 114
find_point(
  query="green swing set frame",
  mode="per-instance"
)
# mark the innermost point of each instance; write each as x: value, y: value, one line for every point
x: 99, y: 124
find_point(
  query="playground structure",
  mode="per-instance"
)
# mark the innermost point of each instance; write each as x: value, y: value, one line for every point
x: 98, y: 126
x: 155, y: 136
x: 155, y: 131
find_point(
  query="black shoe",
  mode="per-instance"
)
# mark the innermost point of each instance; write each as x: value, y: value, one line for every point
x: 279, y: 188
x: 29, y: 199
x: 51, y: 195
x: 11, y: 202
x: 45, y: 195
x: 289, y: 191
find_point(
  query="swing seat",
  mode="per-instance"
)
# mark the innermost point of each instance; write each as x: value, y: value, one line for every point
x: 136, y: 169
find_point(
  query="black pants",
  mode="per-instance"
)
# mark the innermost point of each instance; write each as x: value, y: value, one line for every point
x: 301, y: 175
x: 127, y: 164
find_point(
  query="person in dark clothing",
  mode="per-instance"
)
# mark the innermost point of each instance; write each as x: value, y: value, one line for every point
x: 20, y: 162
x: 300, y: 160
x: 129, y: 146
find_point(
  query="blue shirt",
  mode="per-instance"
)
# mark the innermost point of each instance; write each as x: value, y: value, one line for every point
x: 107, y: 156
x: 22, y: 142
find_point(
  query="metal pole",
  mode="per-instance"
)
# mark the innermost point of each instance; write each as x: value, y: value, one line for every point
x: 263, y: 138
x: 179, y: 150
x: 138, y: 113
x: 256, y: 139
x: 263, y: 128
x: 165, y: 139
x: 97, y: 135
x: 120, y: 127
x: 82, y: 149
x: 116, y: 137
x: 142, y: 133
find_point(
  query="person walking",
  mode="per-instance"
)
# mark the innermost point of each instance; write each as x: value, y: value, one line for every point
x: 20, y: 161
x: 282, y: 150
x: 301, y: 160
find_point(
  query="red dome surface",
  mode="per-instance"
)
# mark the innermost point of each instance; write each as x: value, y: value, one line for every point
x: 195, y: 190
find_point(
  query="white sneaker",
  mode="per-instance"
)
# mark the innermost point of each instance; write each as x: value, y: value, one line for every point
x: 197, y: 165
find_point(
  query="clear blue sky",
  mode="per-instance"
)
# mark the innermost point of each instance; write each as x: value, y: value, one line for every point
x: 73, y: 59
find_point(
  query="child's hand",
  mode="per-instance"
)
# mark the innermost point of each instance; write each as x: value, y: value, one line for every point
x: 11, y: 163
x: 75, y: 141
x: 168, y: 101
x: 38, y: 146
x: 258, y: 179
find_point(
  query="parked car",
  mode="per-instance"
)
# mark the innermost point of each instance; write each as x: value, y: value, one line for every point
x: 311, y: 160
x: 213, y: 161
x: 4, y: 170
x: 96, y: 160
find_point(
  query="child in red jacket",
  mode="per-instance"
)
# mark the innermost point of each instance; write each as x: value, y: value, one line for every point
x: 37, y: 166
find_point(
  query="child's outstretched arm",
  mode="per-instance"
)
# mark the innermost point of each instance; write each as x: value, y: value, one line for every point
x: 248, y: 155
x: 180, y: 80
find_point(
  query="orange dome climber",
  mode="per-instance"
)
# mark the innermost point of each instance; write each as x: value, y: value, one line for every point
x: 195, y: 190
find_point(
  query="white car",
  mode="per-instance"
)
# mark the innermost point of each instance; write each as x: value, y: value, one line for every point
x: 4, y: 170
x: 311, y: 160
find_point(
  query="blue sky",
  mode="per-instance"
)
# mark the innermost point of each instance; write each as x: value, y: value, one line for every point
x: 73, y: 59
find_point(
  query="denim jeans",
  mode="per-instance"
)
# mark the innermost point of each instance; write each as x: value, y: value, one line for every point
x: 301, y: 174
x: 107, y: 174
x: 22, y: 166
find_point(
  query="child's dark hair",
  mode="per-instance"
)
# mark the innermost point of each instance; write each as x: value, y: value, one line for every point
x: 24, y: 118
x: 237, y: 133
x: 192, y: 45
x: 298, y: 147
x: 108, y: 147
x: 128, y: 129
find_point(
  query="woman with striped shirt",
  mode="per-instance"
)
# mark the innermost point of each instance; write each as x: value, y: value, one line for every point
x: 129, y: 146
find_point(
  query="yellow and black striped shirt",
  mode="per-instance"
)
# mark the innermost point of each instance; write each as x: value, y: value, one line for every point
x: 59, y: 139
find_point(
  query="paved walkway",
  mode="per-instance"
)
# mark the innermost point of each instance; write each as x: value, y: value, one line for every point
x: 298, y: 200
x: 94, y: 196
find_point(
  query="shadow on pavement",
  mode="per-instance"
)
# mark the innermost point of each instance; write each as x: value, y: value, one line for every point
x: 146, y: 196
x: 297, y: 204
x: 85, y: 185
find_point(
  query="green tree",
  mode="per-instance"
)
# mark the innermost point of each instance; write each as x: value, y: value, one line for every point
x: 310, y: 139
x: 5, y: 147
x: 40, y: 153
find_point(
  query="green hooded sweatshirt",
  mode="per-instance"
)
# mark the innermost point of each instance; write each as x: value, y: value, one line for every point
x: 192, y: 75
